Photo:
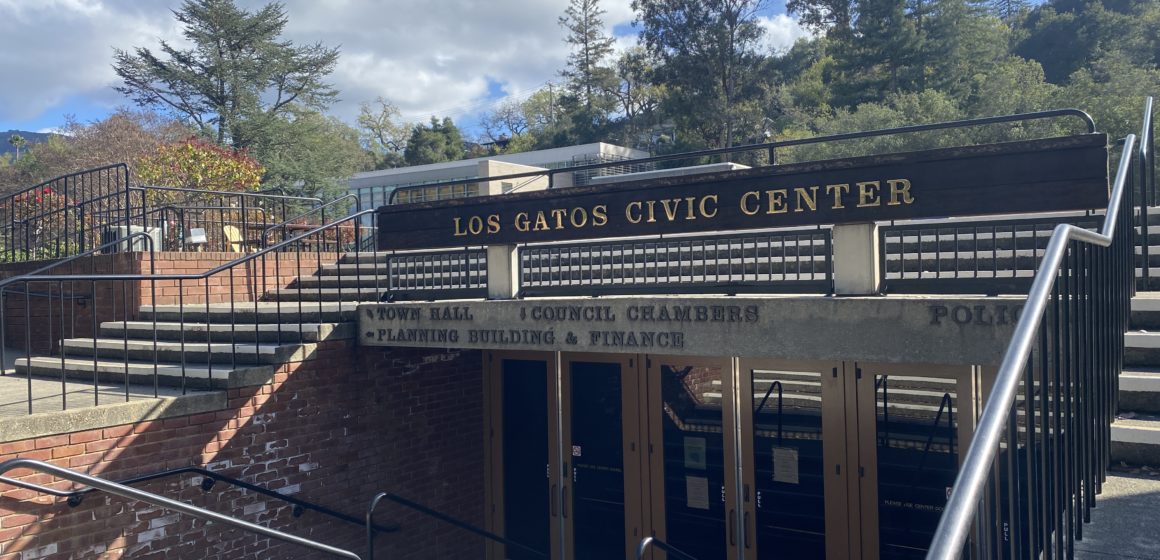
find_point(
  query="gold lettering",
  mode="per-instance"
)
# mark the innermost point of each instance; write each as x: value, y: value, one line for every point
x: 522, y: 222
x: 776, y: 201
x: 628, y: 212
x: 583, y: 217
x: 868, y: 194
x: 671, y: 205
x: 541, y: 222
x: 475, y: 225
x: 493, y: 223
x: 745, y: 205
x: 839, y: 190
x: 689, y: 209
x: 599, y: 215
x: 899, y: 187
x: 705, y: 213
x: 810, y: 196
x: 558, y: 213
x: 652, y: 211
x: 459, y: 231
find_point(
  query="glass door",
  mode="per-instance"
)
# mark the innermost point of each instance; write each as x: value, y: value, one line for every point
x: 520, y: 429
x: 913, y: 435
x: 692, y: 473
x: 793, y: 430
x: 601, y: 493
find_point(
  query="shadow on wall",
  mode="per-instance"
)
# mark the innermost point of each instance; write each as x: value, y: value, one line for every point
x: 333, y: 430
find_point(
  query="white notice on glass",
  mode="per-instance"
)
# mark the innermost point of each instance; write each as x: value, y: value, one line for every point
x: 697, y: 492
x: 785, y: 465
x: 695, y: 449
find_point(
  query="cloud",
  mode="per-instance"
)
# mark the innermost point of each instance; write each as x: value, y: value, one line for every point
x: 781, y: 32
x: 445, y: 58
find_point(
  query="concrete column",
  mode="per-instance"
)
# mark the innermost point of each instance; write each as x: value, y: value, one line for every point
x: 856, y: 270
x: 503, y: 271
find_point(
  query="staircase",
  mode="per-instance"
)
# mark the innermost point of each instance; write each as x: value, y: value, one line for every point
x: 221, y: 345
x: 1136, y: 431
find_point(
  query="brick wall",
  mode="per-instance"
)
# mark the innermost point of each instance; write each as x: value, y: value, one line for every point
x: 333, y: 430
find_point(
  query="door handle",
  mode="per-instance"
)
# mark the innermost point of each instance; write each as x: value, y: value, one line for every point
x: 732, y: 533
x: 552, y: 500
x: 564, y: 502
x: 745, y: 527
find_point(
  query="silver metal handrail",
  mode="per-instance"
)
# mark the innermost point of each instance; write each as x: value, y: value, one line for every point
x: 134, y: 494
x: 955, y: 524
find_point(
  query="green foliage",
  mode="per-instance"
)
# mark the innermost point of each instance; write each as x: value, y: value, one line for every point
x: 589, y: 79
x: 709, y: 63
x: 439, y: 141
x: 309, y: 154
x: 382, y: 134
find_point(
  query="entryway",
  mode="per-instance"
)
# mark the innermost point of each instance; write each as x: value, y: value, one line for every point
x: 720, y: 457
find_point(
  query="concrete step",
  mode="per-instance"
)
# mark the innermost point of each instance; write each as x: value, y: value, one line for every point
x: 1140, y: 390
x: 191, y: 376
x: 1136, y: 439
x: 190, y: 352
x: 372, y: 281
x: 1146, y: 311
x: 251, y: 313
x: 323, y: 294
x: 245, y: 332
x: 1141, y: 348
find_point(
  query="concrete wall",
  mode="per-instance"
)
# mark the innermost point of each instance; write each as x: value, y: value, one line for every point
x: 493, y: 168
x: 333, y: 430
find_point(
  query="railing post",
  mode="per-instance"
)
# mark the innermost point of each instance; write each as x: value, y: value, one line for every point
x: 503, y: 271
x: 856, y: 262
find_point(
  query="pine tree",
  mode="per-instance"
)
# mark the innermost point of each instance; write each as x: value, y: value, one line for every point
x: 587, y: 77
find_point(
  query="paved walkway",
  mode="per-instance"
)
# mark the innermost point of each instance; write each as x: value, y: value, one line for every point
x: 1126, y: 521
x: 46, y: 394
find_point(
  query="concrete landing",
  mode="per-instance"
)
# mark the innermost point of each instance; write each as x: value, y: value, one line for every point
x: 1124, y: 523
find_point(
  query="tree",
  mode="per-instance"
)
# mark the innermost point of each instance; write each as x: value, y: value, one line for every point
x: 587, y: 78
x: 434, y: 143
x: 238, y: 78
x: 638, y: 98
x: 382, y: 133
x: 17, y: 141
x: 710, y: 64
x: 309, y: 154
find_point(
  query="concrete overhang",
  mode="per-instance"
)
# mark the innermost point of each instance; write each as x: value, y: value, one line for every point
x: 953, y: 330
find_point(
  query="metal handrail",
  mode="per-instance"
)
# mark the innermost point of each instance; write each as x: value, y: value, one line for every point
x: 415, y: 506
x: 76, y: 497
x: 242, y: 194
x: 200, y: 275
x: 322, y: 208
x: 150, y: 498
x: 89, y: 253
x: 771, y: 146
x: 951, y: 534
x: 657, y: 543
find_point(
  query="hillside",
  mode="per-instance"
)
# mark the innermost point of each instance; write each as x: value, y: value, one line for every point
x: 31, y: 137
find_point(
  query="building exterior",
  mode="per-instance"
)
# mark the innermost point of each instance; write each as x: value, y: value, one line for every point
x: 418, y: 182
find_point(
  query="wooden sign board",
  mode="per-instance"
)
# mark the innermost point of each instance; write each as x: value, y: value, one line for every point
x: 1053, y: 174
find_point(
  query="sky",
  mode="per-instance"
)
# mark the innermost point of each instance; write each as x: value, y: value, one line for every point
x: 456, y: 58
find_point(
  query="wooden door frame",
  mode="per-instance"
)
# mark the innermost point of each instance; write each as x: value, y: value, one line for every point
x: 654, y: 462
x: 493, y: 444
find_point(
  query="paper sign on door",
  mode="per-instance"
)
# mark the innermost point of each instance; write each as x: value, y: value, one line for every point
x: 785, y: 465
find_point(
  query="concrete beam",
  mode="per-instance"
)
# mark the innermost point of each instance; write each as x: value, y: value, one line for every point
x: 503, y: 271
x: 856, y: 259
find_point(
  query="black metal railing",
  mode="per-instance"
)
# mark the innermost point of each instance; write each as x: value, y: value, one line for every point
x: 128, y: 492
x: 1146, y: 180
x: 75, y: 497
x: 121, y: 335
x: 43, y: 221
x: 780, y: 260
x: 1031, y: 474
x: 997, y: 256
x: 434, y: 514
